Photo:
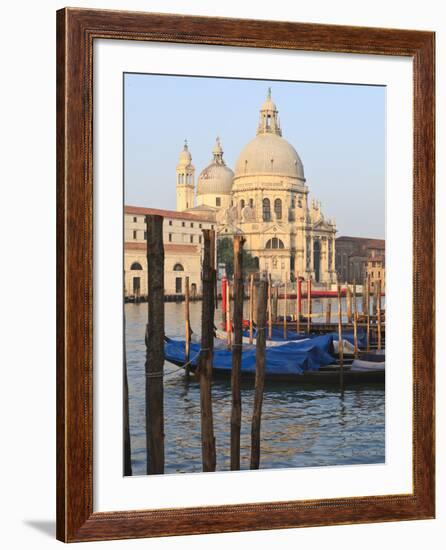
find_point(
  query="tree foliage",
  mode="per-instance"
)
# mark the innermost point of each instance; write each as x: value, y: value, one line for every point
x: 225, y: 255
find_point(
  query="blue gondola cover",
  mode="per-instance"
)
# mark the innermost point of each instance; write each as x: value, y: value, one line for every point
x: 294, y: 357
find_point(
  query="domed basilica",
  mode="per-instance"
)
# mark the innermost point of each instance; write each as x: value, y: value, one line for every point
x: 266, y: 200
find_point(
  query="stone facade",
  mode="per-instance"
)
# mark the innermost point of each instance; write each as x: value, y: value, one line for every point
x: 182, y: 235
x: 267, y: 200
x: 353, y: 255
x: 376, y: 270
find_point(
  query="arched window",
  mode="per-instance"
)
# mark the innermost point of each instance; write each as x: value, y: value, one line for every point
x: 178, y: 267
x: 266, y: 210
x: 242, y: 204
x: 136, y: 266
x: 274, y: 243
x: 251, y: 203
x: 278, y: 209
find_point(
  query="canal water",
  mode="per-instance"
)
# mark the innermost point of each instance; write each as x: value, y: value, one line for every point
x: 301, y: 426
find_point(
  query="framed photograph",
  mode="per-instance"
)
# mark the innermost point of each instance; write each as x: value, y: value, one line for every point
x: 245, y: 275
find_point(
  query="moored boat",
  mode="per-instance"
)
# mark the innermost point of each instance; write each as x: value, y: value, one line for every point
x: 310, y: 360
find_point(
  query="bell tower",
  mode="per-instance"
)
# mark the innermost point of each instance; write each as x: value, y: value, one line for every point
x: 185, y: 180
x: 269, y: 122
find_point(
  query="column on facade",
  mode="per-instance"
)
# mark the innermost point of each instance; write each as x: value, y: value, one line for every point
x: 311, y: 254
x: 323, y: 258
x: 328, y: 275
x: 300, y: 236
x: 260, y: 207
x: 286, y: 208
x: 307, y: 251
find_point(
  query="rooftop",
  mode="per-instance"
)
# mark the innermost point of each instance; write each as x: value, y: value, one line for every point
x: 363, y: 241
x: 173, y: 248
x: 379, y: 259
x: 142, y: 211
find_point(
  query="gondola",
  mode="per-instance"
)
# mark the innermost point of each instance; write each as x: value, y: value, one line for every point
x: 306, y: 361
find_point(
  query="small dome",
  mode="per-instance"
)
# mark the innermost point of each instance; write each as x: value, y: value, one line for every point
x: 185, y: 157
x: 269, y: 154
x: 216, y: 177
x: 268, y: 105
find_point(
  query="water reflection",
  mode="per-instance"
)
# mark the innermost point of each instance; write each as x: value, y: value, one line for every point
x: 301, y: 426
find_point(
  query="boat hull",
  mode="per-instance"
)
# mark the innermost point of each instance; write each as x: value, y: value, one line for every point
x: 325, y: 376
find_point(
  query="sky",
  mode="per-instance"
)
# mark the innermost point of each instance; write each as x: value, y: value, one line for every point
x: 338, y: 131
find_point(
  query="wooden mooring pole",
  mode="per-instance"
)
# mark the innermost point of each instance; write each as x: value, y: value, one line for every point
x: 375, y: 298
x: 236, y: 407
x: 328, y: 312
x: 308, y: 305
x: 285, y: 306
x: 154, y: 367
x: 378, y: 314
x: 340, y: 341
x: 348, y: 295
x: 188, y: 330
x: 355, y: 320
x: 215, y: 277
x: 368, y: 310
x: 355, y: 304
x: 205, y: 363
x: 275, y: 302
x: 364, y: 295
x: 270, y: 306
x: 260, y: 375
x: 214, y: 266
x: 298, y: 302
x: 251, y: 307
x: 228, y: 314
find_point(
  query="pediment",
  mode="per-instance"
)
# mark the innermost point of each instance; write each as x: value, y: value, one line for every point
x: 322, y: 224
x: 275, y: 229
x: 229, y: 229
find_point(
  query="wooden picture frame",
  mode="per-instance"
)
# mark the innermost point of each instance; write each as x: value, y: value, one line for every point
x: 76, y: 31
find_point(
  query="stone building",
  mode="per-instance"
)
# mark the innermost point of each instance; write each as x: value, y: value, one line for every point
x: 266, y: 199
x: 182, y: 235
x: 356, y: 256
x: 376, y: 270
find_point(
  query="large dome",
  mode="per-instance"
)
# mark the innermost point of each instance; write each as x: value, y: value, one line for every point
x: 269, y: 153
x: 216, y: 177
